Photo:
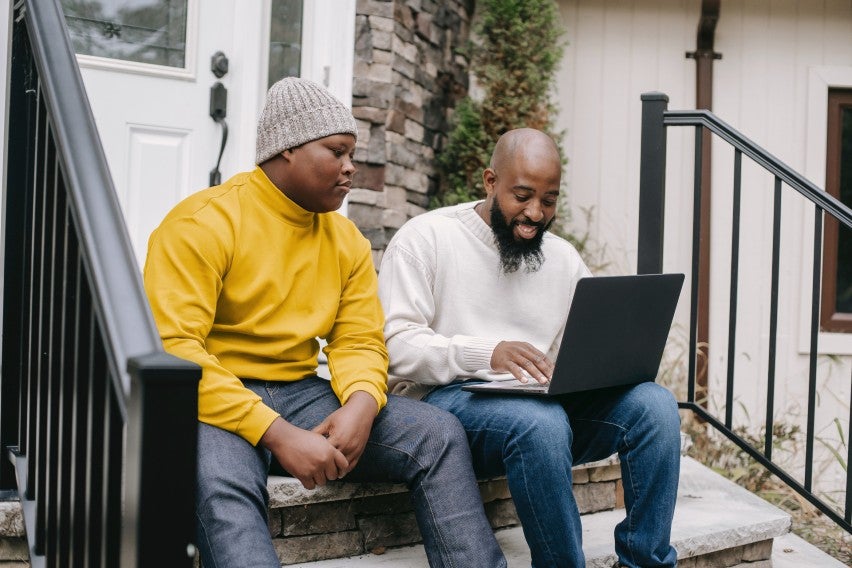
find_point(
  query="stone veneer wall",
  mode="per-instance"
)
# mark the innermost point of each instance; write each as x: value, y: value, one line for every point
x: 407, y: 78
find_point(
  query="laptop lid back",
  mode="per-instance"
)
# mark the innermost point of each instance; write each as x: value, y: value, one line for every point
x: 616, y: 331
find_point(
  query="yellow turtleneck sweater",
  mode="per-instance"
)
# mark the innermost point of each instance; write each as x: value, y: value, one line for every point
x: 242, y: 281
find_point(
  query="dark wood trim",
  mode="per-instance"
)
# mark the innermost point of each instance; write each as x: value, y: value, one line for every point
x: 831, y: 320
x: 704, y: 56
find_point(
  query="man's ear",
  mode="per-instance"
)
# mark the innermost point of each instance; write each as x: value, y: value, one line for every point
x: 489, y: 177
x: 288, y: 154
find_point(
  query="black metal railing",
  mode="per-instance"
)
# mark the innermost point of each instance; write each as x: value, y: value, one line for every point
x: 98, y: 423
x: 655, y: 119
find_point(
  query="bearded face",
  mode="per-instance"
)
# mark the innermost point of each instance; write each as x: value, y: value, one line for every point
x: 516, y: 251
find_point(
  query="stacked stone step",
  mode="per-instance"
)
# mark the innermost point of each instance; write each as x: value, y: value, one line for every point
x: 348, y: 519
x: 13, y: 541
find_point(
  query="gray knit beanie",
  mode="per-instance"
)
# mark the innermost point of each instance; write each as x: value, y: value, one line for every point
x: 299, y: 111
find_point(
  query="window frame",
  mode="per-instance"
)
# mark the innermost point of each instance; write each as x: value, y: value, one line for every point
x: 187, y: 72
x: 830, y: 319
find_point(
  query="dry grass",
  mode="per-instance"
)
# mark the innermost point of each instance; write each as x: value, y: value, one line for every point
x: 823, y: 533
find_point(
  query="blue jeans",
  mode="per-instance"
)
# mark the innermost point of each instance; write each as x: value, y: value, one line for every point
x: 410, y: 442
x: 535, y: 442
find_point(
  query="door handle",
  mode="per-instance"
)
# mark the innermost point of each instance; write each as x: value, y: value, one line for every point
x: 219, y: 64
x: 218, y: 112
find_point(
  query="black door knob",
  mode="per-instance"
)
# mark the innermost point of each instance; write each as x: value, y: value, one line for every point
x: 219, y: 64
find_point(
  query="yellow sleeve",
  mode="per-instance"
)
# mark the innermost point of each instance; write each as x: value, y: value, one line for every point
x: 183, y: 278
x: 357, y: 357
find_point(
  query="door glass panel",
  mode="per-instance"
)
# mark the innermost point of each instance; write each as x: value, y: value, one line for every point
x: 143, y: 31
x: 285, y: 40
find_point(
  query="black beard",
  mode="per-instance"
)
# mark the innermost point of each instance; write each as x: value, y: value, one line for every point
x: 514, y: 253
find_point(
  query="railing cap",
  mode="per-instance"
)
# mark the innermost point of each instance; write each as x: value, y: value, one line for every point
x: 655, y: 96
x: 161, y: 365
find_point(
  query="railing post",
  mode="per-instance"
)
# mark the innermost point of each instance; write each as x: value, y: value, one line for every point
x: 652, y: 183
x: 162, y: 427
x: 16, y: 188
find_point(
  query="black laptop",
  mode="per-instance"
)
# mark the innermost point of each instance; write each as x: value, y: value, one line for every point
x: 615, y: 335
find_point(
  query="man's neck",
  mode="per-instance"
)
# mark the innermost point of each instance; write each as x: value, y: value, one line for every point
x: 482, y: 211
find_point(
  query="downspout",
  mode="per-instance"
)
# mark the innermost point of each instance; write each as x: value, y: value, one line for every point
x: 704, y: 57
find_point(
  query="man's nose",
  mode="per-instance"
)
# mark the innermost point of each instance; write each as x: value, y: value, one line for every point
x: 534, y: 211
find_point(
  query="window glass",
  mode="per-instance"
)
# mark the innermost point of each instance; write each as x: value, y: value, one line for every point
x: 285, y: 40
x: 844, y: 240
x: 143, y: 31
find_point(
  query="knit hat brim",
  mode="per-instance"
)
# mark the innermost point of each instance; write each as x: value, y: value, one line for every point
x: 298, y: 111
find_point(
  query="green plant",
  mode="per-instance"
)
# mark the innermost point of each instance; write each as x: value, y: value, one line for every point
x: 514, y: 63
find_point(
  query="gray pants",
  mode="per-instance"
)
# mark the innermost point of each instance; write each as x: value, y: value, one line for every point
x: 411, y: 442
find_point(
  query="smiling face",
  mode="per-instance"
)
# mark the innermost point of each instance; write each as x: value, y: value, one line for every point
x: 522, y: 187
x: 317, y: 175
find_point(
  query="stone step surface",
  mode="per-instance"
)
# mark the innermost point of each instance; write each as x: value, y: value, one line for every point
x: 788, y: 551
x: 717, y: 523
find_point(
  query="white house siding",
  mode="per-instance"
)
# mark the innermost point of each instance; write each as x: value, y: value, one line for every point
x: 616, y: 51
x: 771, y: 84
x: 778, y: 58
x: 764, y: 87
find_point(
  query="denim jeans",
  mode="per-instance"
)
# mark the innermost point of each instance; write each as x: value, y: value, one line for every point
x: 535, y: 442
x: 411, y: 442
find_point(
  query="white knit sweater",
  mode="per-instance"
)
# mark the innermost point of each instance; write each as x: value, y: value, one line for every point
x: 448, y: 304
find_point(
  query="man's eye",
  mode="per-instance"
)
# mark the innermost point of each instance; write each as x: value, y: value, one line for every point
x: 522, y: 197
x: 550, y: 204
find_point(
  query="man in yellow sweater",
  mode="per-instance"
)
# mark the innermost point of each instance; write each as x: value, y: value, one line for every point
x: 242, y: 279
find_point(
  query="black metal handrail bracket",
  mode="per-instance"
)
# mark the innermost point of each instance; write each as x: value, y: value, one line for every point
x: 655, y: 119
x: 98, y: 421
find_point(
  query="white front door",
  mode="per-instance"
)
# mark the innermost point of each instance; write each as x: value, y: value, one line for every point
x: 149, y: 79
x: 153, y: 116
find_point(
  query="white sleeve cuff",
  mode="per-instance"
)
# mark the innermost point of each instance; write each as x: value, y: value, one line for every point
x: 477, y: 353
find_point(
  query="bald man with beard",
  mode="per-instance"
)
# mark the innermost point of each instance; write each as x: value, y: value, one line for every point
x: 480, y: 290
